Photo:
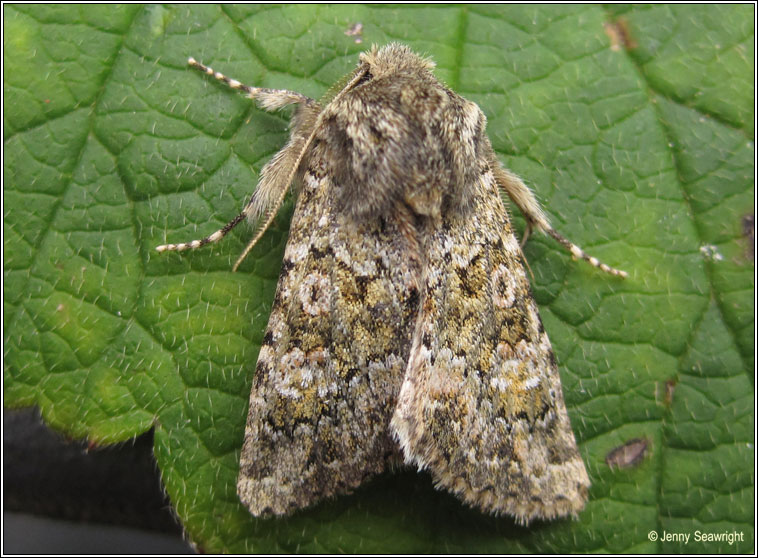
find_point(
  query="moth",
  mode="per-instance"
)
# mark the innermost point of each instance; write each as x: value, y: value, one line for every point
x: 403, y: 327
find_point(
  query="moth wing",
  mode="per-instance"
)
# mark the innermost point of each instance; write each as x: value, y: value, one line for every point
x: 333, y: 355
x: 481, y: 404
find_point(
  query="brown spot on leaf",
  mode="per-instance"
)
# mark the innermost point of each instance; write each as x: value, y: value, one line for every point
x: 748, y: 232
x: 669, y: 396
x: 619, y: 34
x: 628, y: 454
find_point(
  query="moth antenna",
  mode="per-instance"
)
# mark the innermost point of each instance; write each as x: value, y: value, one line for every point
x: 268, y: 99
x: 273, y: 184
x: 215, y: 237
x: 530, y: 208
x: 581, y: 254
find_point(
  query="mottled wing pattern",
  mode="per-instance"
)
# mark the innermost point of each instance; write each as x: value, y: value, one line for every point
x: 481, y: 404
x: 333, y: 356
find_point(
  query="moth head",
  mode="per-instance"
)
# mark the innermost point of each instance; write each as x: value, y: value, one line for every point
x: 394, y: 58
x: 394, y: 134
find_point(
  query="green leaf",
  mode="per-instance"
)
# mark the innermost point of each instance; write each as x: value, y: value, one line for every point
x: 634, y: 125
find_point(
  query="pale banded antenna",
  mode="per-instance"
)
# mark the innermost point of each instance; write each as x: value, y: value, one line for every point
x: 269, y: 99
x: 530, y: 208
x: 581, y: 254
x: 215, y: 237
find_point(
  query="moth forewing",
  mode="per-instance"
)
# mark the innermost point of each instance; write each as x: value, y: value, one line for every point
x: 481, y: 404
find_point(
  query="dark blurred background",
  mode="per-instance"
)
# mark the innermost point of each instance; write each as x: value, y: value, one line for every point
x: 61, y: 497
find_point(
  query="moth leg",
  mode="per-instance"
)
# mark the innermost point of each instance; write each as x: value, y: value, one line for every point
x: 269, y: 99
x: 260, y: 229
x: 530, y: 208
x: 526, y: 235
